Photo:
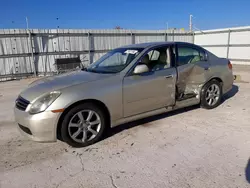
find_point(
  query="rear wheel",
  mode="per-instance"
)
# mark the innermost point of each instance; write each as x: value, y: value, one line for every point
x: 83, y: 125
x: 211, y: 95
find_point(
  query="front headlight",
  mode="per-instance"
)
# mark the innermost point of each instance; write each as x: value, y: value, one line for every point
x: 43, y: 102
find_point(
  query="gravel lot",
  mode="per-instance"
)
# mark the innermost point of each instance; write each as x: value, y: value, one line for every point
x: 192, y: 147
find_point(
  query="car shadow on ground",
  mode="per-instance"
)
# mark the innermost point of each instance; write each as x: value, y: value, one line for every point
x: 248, y: 171
x: 148, y: 120
x: 231, y: 93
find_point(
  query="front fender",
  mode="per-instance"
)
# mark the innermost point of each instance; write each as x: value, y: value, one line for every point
x: 108, y: 91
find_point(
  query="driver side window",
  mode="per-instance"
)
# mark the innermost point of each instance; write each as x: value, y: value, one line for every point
x: 157, y: 59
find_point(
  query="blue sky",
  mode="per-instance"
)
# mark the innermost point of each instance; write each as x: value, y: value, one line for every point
x: 129, y: 14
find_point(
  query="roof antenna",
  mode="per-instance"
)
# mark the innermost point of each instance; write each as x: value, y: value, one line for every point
x: 27, y: 23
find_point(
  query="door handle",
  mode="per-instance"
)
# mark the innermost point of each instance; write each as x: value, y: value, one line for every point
x: 207, y: 68
x: 169, y: 76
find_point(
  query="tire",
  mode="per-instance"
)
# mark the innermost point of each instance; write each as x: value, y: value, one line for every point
x: 211, y: 95
x: 78, y: 131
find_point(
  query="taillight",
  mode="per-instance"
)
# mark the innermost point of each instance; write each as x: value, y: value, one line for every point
x: 230, y: 66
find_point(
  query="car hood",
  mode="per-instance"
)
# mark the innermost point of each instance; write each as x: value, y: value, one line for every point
x: 54, y: 83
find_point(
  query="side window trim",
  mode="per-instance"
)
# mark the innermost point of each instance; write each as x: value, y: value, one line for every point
x: 130, y: 72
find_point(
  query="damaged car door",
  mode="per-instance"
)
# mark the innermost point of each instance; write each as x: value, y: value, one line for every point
x: 193, y: 70
x: 153, y: 89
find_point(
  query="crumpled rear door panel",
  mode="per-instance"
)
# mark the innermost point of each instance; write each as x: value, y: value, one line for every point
x: 192, y: 76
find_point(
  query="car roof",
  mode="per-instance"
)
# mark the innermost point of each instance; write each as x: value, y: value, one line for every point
x: 153, y: 44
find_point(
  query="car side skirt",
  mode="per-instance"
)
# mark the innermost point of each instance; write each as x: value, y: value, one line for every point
x: 178, y: 105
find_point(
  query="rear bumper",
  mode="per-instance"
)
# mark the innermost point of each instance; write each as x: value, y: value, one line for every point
x: 228, y: 83
x: 39, y: 127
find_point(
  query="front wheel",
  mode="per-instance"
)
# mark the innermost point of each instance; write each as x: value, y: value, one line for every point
x: 83, y: 125
x: 211, y: 95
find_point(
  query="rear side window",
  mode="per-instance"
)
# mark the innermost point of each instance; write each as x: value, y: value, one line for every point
x: 187, y: 55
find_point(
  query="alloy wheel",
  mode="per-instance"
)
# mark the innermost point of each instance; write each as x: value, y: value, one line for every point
x: 84, y: 126
x: 212, y: 94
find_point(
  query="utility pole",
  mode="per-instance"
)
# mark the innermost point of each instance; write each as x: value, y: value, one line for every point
x: 27, y: 23
x: 190, y: 23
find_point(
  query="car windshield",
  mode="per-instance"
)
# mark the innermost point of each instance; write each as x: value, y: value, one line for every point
x: 114, y: 61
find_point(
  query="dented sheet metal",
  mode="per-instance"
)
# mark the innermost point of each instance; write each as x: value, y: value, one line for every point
x: 191, y: 77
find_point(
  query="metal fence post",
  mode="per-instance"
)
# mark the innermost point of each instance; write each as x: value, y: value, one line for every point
x: 193, y: 35
x: 89, y: 52
x: 69, y: 41
x: 228, y: 42
x: 173, y: 34
x: 57, y: 36
x: 132, y: 37
x: 32, y: 53
x: 11, y: 47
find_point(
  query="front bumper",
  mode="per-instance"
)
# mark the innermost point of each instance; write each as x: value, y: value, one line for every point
x: 39, y: 127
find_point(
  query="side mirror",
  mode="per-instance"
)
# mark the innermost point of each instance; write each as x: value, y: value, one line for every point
x: 140, y: 69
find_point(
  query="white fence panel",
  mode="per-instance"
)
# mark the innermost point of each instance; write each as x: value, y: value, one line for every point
x: 239, y: 53
x: 232, y: 43
x: 211, y: 39
x: 218, y: 51
x: 240, y: 37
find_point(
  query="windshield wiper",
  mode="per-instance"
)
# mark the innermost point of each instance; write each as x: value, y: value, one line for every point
x: 99, y: 71
x: 88, y: 70
x: 92, y: 70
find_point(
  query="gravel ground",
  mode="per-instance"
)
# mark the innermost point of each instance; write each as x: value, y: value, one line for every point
x: 192, y: 147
